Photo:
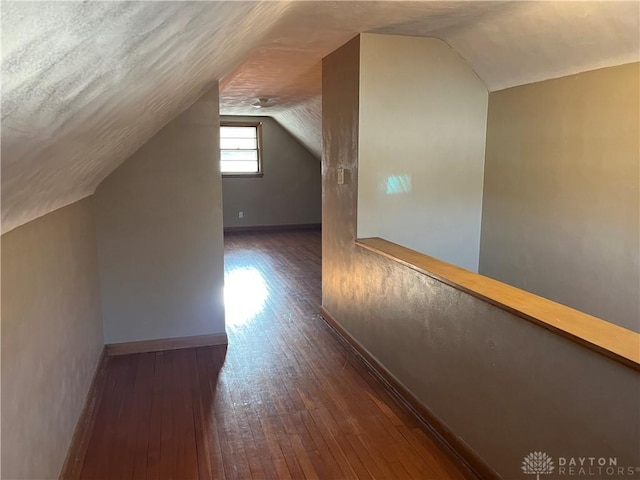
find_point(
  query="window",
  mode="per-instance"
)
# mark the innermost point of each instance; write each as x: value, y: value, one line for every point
x: 240, y: 149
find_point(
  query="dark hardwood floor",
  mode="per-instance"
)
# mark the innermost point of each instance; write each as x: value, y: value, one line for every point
x: 286, y: 399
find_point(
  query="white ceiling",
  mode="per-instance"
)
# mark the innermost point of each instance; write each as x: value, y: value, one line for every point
x: 86, y: 84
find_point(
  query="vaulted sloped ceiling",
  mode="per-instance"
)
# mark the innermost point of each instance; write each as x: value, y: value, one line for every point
x: 86, y: 84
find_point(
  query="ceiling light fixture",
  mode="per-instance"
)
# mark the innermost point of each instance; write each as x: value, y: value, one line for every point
x: 263, y: 102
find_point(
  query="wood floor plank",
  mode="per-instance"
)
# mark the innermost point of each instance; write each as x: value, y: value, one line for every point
x: 269, y: 467
x: 187, y: 459
x: 168, y: 435
x: 155, y: 427
x: 370, y: 458
x: 123, y: 447
x: 338, y: 453
x: 304, y: 459
x: 209, y: 362
x: 142, y: 411
x: 199, y: 420
x: 285, y: 400
x: 99, y: 463
x: 241, y: 425
x: 322, y: 458
x: 234, y: 460
x: 120, y: 448
x: 274, y: 449
x: 401, y: 473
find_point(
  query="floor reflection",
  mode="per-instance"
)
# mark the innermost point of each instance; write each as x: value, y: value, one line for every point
x: 245, y: 294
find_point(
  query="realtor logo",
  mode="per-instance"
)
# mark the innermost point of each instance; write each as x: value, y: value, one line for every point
x: 537, y: 463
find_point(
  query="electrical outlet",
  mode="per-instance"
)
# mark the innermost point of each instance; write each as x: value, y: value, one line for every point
x: 240, y: 214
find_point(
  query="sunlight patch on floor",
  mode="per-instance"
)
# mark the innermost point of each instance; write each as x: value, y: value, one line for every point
x: 245, y: 295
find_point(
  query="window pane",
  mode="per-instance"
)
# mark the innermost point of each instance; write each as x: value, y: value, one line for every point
x: 239, y: 149
x: 239, y: 155
x: 238, y: 132
x: 239, y: 143
x: 228, y: 166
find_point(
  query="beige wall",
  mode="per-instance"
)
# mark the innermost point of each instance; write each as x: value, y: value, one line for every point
x: 289, y: 193
x: 561, y: 196
x: 159, y: 228
x: 423, y: 114
x: 505, y: 386
x: 51, y: 337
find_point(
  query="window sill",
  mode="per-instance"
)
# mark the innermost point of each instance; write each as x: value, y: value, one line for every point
x: 242, y: 175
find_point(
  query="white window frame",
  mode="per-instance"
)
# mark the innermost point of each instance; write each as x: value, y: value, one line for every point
x: 258, y: 127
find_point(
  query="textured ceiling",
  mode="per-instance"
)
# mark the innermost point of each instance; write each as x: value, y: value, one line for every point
x: 85, y: 84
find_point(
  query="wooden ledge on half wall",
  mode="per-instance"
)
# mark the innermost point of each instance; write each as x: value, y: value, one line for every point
x: 604, y: 337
